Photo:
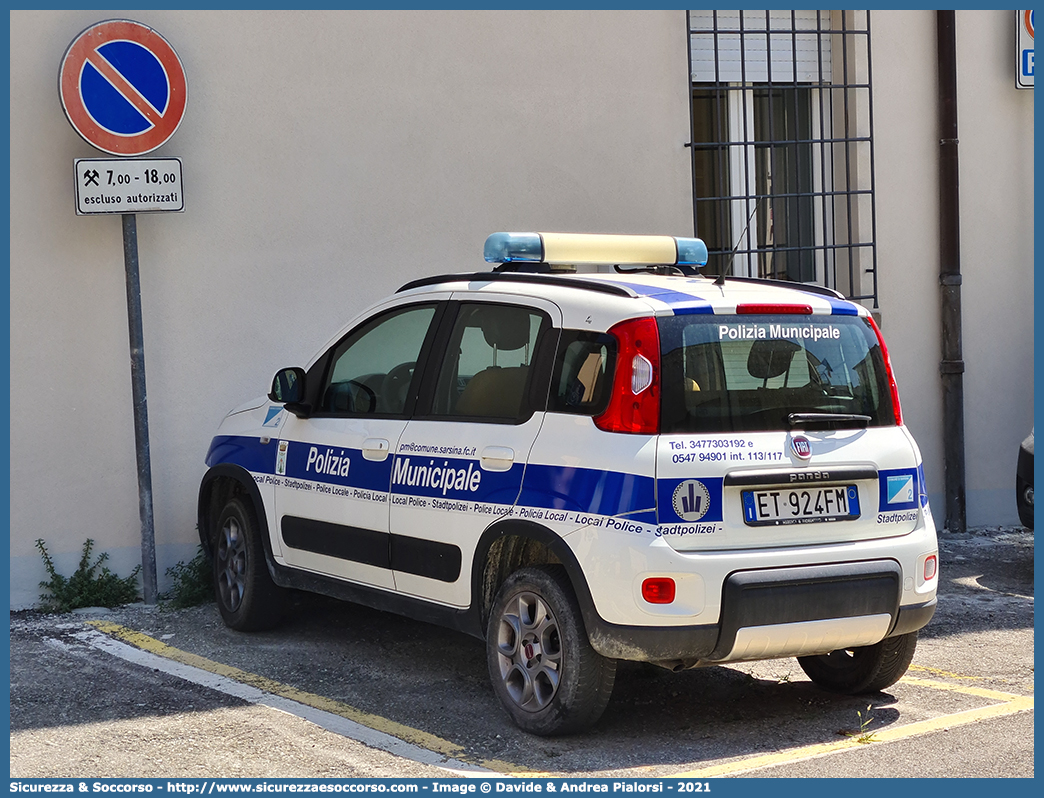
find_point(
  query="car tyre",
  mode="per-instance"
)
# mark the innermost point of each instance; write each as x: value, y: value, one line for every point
x: 247, y: 598
x: 862, y: 670
x: 543, y: 668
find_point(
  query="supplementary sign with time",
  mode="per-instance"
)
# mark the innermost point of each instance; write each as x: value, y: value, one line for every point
x: 121, y: 185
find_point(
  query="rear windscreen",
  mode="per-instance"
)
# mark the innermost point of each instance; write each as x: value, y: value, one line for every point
x: 749, y: 373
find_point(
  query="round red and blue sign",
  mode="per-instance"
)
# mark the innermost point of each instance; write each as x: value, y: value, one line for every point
x: 122, y: 87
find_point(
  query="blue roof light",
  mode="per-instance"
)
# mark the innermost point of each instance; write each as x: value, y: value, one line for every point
x: 513, y: 248
x: 691, y: 251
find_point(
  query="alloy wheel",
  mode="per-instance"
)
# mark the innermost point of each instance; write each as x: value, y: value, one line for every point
x: 231, y: 555
x: 529, y: 652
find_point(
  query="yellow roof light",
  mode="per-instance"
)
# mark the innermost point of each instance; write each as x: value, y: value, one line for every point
x: 588, y: 248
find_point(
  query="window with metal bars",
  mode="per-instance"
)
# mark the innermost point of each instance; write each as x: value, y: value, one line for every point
x: 782, y: 146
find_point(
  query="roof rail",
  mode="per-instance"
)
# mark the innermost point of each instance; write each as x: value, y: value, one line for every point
x: 519, y: 277
x: 808, y: 288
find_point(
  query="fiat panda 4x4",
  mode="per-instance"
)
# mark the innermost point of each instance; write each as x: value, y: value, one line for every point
x: 625, y: 461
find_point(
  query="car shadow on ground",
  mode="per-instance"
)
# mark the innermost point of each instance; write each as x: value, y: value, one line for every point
x: 437, y: 681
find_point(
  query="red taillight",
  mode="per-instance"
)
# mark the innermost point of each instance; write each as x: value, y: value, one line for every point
x: 888, y: 370
x: 658, y: 590
x: 634, y: 404
x: 767, y: 309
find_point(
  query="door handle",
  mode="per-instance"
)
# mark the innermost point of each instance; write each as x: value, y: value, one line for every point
x: 497, y: 458
x: 375, y: 449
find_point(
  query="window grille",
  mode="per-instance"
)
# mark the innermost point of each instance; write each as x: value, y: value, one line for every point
x: 782, y: 146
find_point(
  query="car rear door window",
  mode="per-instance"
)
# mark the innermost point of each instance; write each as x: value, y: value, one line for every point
x: 486, y: 367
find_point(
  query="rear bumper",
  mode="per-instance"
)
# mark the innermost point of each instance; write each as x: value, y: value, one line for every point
x: 778, y: 613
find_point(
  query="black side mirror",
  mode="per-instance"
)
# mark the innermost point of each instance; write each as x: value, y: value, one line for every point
x: 288, y: 387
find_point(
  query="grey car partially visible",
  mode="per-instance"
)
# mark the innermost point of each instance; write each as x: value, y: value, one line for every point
x: 1024, y: 482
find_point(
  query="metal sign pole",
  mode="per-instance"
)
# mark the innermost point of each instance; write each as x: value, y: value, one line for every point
x: 141, y: 411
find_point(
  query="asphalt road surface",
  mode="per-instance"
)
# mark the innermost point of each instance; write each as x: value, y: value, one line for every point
x: 343, y: 691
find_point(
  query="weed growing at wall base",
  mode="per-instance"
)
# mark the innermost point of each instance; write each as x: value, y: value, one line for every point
x: 192, y: 583
x: 87, y: 587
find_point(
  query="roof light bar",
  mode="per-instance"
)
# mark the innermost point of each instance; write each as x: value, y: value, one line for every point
x: 574, y: 248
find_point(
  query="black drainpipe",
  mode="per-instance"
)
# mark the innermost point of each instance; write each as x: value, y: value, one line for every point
x: 952, y: 366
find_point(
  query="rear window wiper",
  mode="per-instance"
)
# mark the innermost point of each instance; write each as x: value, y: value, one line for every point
x: 828, y: 419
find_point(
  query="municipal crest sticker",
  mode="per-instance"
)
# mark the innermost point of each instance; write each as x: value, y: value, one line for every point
x: 691, y: 500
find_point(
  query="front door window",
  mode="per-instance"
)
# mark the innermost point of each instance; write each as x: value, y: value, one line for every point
x: 373, y: 367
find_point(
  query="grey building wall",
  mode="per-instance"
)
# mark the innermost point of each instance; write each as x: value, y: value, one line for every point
x: 995, y: 122
x: 329, y: 157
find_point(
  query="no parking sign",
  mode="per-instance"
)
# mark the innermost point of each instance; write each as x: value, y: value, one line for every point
x: 122, y: 87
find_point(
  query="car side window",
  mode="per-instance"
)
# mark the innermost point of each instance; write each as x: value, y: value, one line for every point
x: 583, y: 373
x: 486, y: 368
x: 372, y: 368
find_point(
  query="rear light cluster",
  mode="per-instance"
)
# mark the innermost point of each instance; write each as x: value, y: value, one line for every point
x: 634, y: 402
x: 888, y: 370
x: 659, y: 590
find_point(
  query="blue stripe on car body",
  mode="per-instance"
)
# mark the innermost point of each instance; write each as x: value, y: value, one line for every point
x: 586, y: 490
x: 583, y: 490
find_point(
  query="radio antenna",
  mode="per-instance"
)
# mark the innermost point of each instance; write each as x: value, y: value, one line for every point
x: 735, y: 249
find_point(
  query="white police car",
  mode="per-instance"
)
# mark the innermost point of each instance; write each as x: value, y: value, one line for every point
x: 636, y: 463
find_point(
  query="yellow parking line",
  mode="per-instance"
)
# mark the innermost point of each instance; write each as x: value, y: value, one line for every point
x: 982, y: 692
x: 947, y: 674
x: 376, y: 722
x: 1010, y: 705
